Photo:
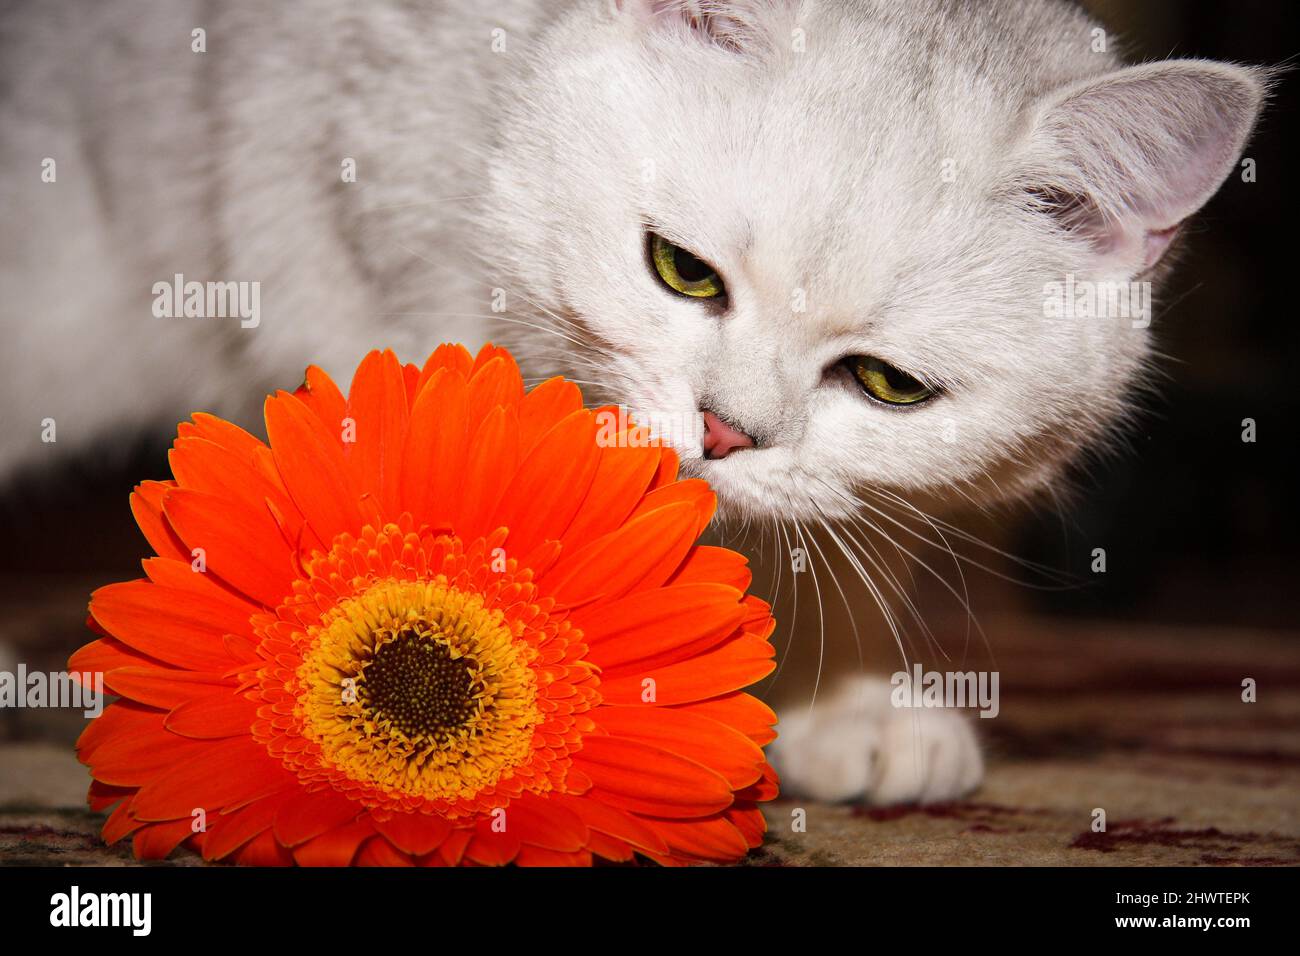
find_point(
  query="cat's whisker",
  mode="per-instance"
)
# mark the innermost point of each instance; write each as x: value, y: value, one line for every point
x: 794, y: 612
x: 882, y: 568
x: 821, y: 619
x: 848, y: 607
x: 962, y: 600
x: 888, y: 499
x: 956, y: 562
x: 423, y: 202
x: 891, y: 621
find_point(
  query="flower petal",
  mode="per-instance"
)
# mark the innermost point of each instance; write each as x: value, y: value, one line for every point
x: 550, y: 485
x: 658, y: 626
x: 221, y: 773
x: 307, y: 815
x: 309, y: 455
x: 377, y: 403
x: 639, y: 555
x: 213, y: 716
x: 414, y: 833
x: 739, y: 662
x: 244, y: 548
x: 694, y: 736
x: 146, y: 506
x: 646, y: 779
x: 436, y: 441
x: 173, y: 626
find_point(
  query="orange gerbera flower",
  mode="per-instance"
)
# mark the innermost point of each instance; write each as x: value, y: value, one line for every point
x: 439, y: 621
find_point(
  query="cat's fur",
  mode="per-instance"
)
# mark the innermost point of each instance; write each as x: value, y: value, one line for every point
x: 913, y: 170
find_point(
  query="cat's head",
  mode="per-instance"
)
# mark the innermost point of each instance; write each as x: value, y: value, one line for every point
x: 862, y: 234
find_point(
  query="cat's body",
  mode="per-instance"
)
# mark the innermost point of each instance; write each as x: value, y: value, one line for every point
x: 896, y: 179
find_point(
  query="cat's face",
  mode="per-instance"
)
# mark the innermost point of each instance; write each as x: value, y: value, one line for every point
x: 865, y: 241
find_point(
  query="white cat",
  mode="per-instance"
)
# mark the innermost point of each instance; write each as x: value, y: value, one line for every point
x: 823, y: 233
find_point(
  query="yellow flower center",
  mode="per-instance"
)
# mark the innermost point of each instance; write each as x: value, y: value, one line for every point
x: 418, y: 688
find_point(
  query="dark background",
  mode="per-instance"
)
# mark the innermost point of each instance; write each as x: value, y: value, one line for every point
x: 1198, y: 526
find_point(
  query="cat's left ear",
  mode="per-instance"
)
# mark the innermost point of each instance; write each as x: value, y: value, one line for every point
x: 1124, y: 158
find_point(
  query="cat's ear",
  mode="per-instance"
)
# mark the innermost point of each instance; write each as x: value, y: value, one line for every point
x: 737, y: 25
x: 1125, y: 158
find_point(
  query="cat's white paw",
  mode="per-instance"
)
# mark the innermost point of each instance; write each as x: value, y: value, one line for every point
x: 855, y: 745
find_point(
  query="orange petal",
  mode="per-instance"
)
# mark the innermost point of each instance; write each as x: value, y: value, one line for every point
x: 202, y: 465
x: 108, y: 654
x: 496, y: 382
x: 645, y: 779
x: 694, y: 736
x: 243, y: 548
x: 667, y: 472
x: 223, y: 714
x: 550, y: 484
x: 766, y: 788
x: 377, y: 851
x: 453, y: 358
x: 617, y: 823
x: 307, y: 815
x: 542, y: 822
x: 542, y: 407
x: 174, y: 626
x: 414, y: 833
x: 639, y: 555
x: 746, y: 713
x: 695, y: 491
x: 309, y: 454
x: 749, y: 821
x: 319, y: 393
x: 263, y: 850
x: 221, y: 432
x: 718, y: 565
x: 157, y: 841
x: 227, y: 832
x: 488, y: 352
x: 102, y: 796
x: 493, y: 457
x: 120, y: 823
x: 453, y: 848
x: 712, y: 839
x: 159, y: 687
x: 436, y: 444
x: 225, y: 772
x: 377, y: 403
x: 336, y: 847
x: 658, y: 626
x: 121, y: 720
x: 146, y: 506
x: 539, y: 856
x: 621, y: 479
x: 735, y: 664
x: 491, y: 847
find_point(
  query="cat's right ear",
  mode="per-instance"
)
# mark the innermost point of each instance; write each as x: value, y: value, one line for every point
x: 1124, y: 158
x: 737, y: 25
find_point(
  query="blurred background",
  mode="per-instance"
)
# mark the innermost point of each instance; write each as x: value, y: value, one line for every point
x: 1120, y: 689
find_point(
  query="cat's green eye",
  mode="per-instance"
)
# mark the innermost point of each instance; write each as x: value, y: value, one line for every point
x: 885, y: 383
x: 683, y: 272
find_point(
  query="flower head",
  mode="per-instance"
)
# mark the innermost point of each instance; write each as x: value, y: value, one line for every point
x: 440, y: 620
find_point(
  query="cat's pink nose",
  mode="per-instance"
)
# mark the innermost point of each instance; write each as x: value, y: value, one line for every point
x: 720, y: 439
